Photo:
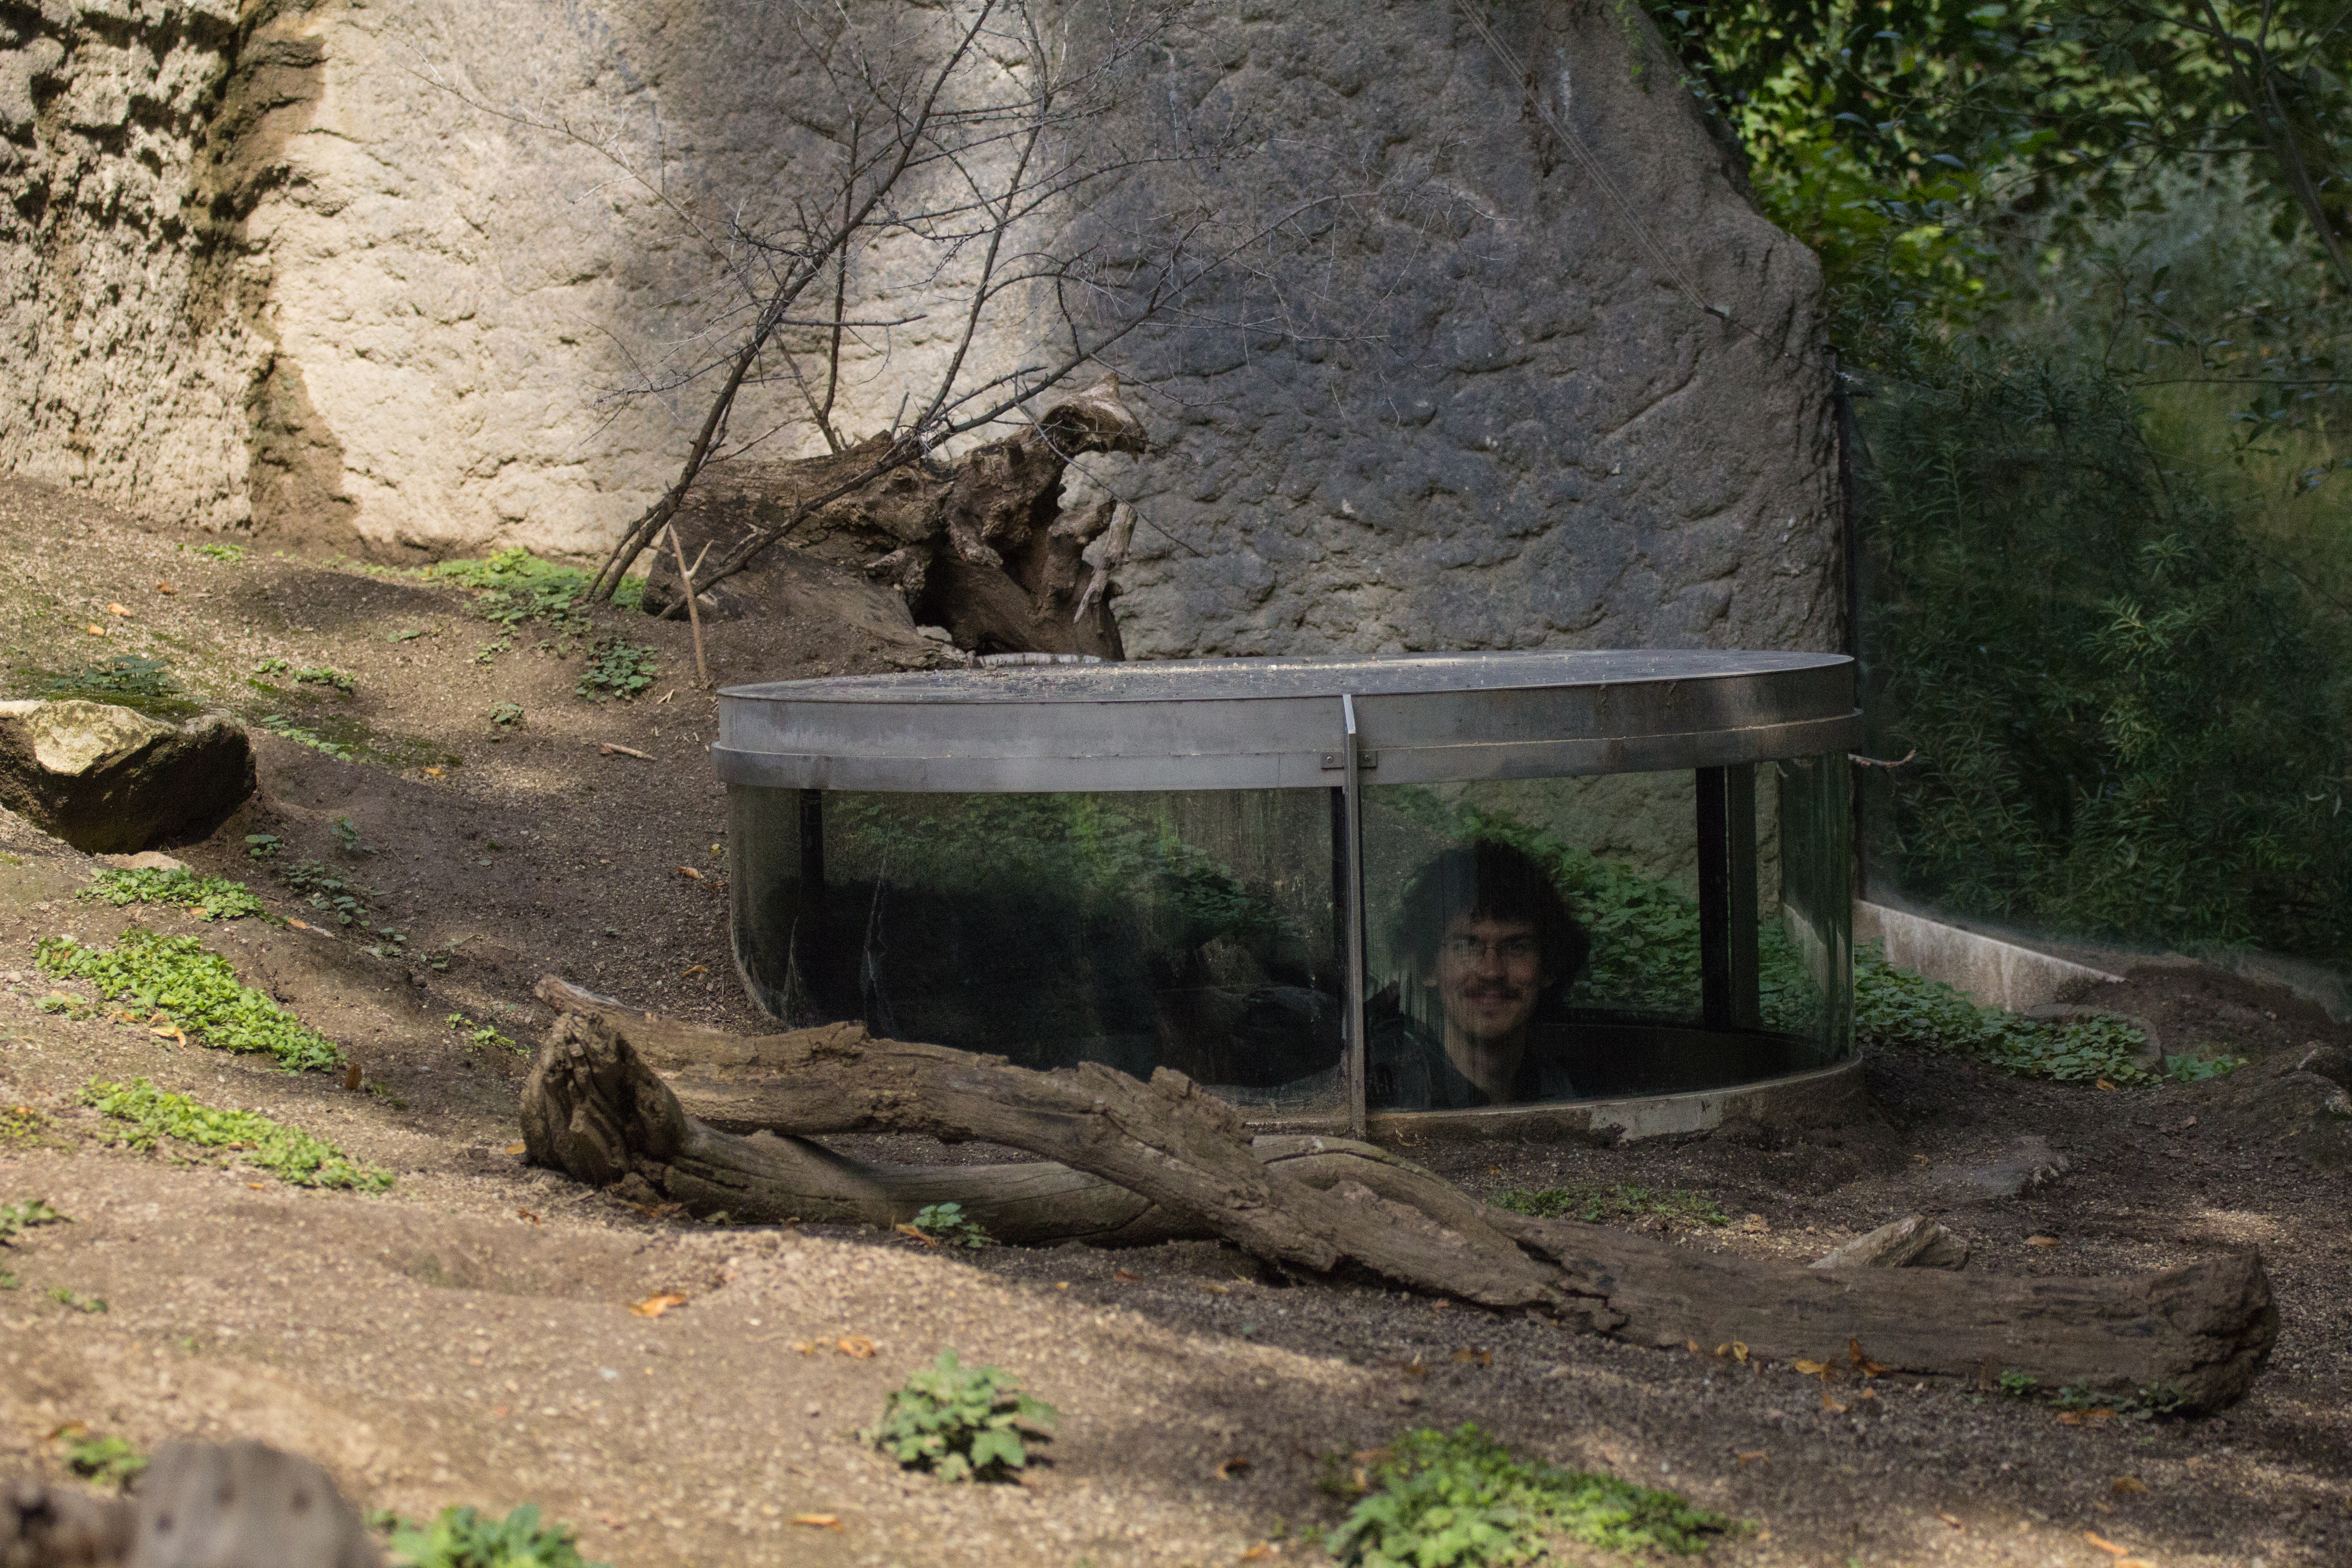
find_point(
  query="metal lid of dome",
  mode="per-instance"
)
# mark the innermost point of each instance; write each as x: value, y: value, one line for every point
x: 1277, y: 724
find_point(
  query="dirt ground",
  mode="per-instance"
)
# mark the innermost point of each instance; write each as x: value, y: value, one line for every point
x: 464, y: 1338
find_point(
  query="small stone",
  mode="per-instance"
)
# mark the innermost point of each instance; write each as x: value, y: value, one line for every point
x: 1915, y: 1241
x: 146, y: 860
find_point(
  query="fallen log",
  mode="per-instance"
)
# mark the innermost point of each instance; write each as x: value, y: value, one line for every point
x: 720, y: 1122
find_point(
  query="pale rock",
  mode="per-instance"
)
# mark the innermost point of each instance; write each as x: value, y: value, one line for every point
x: 107, y: 780
x: 1915, y: 1241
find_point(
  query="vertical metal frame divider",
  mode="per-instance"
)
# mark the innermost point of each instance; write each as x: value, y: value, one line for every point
x: 1352, y: 787
x: 1728, y: 977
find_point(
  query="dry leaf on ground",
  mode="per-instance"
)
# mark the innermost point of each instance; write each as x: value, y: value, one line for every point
x: 2129, y: 1484
x: 1747, y: 1457
x: 2109, y: 1547
x: 1478, y: 1355
x: 1231, y: 1465
x: 909, y: 1230
x: 1870, y: 1368
x: 2041, y: 1241
x: 818, y: 1520
x: 1123, y: 1274
x: 1820, y: 1369
x: 654, y: 1306
x: 856, y: 1346
x: 1951, y: 1519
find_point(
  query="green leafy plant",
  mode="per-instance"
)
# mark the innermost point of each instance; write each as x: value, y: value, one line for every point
x: 482, y: 1034
x: 178, y: 982
x: 346, y: 838
x: 513, y: 586
x: 21, y: 1125
x: 76, y: 1300
x: 291, y: 1154
x: 617, y: 668
x: 1460, y: 1500
x: 467, y: 1538
x: 110, y: 1460
x: 2196, y: 1069
x: 280, y: 725
x: 210, y: 897
x: 507, y: 715
x: 228, y: 552
x: 490, y: 650
x: 23, y: 1216
x: 274, y: 666
x: 947, y: 1225
x: 1894, y: 1006
x: 2018, y: 1385
x: 329, y: 893
x: 262, y: 846
x: 1596, y: 1202
x: 964, y: 1423
x: 320, y: 674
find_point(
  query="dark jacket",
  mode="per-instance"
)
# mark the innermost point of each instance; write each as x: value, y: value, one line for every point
x: 1408, y: 1070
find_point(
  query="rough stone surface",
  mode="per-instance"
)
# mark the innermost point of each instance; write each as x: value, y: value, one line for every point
x: 1915, y: 1241
x: 108, y: 781
x: 2304, y: 1107
x: 263, y: 274
x: 2033, y: 1166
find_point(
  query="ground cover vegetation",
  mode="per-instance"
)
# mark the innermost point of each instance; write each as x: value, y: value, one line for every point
x: 151, y: 1115
x: 208, y: 898
x: 176, y: 987
x: 1460, y: 1500
x: 961, y: 1423
x: 468, y: 1538
x: 2088, y: 266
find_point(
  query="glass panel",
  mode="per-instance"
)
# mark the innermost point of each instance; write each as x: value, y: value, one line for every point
x: 1807, y: 931
x: 1541, y: 939
x: 1192, y: 931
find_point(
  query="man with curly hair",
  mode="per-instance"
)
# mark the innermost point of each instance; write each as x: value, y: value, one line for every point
x: 1485, y: 935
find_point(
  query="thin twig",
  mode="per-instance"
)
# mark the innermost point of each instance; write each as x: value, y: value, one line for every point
x: 693, y: 611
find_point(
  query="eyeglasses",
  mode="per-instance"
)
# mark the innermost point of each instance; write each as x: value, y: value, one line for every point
x: 1510, y: 948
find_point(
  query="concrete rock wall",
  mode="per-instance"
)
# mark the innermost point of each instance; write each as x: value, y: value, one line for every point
x: 280, y: 269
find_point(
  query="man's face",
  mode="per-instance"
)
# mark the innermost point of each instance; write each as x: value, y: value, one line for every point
x: 1489, y: 974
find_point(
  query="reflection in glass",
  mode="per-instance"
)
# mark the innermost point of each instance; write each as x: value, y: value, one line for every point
x: 1192, y: 931
x: 1638, y: 1001
x: 1528, y: 941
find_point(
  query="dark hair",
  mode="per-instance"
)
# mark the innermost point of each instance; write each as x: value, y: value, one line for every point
x: 1490, y: 880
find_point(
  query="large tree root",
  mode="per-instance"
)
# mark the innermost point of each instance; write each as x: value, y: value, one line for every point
x: 722, y: 1121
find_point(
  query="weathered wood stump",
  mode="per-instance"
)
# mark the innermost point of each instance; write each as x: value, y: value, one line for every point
x: 720, y: 1122
x: 198, y: 1505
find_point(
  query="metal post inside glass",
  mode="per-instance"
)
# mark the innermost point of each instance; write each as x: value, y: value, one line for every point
x: 1441, y: 891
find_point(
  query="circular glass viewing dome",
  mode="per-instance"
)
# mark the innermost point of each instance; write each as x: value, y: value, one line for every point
x: 1443, y: 890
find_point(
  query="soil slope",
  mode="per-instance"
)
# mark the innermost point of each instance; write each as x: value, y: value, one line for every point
x: 466, y: 1337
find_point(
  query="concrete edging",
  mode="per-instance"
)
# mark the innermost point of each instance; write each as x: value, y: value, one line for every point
x: 1997, y: 973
